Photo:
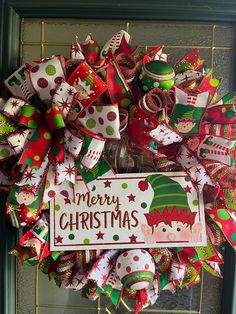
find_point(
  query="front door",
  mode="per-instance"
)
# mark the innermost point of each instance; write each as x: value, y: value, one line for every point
x: 43, y: 38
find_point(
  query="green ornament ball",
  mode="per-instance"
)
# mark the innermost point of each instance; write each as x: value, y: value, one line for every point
x: 156, y: 73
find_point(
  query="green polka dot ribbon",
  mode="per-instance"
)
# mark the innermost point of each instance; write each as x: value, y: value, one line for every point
x: 30, y: 117
x: 37, y: 148
x: 225, y: 220
x: 223, y: 112
x: 41, y: 140
x: 54, y: 119
x: 104, y: 120
x: 119, y: 90
x: 91, y: 50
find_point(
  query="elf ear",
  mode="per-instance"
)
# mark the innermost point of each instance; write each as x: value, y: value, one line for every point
x: 147, y: 232
x: 196, y: 231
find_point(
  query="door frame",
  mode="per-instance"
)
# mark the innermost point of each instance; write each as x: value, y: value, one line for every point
x: 11, y: 13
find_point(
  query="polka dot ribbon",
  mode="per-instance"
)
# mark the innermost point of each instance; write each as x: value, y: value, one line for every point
x: 57, y: 128
x: 41, y: 140
x: 226, y: 221
x: 118, y: 86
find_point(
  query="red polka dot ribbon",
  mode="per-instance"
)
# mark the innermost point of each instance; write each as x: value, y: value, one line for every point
x: 46, y: 76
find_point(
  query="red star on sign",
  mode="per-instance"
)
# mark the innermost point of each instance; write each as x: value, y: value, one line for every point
x: 133, y: 238
x: 107, y: 184
x: 188, y: 189
x: 100, y: 235
x: 131, y: 197
x: 67, y: 201
x: 59, y: 239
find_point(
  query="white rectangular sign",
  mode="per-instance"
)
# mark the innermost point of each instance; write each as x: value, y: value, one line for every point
x: 138, y: 210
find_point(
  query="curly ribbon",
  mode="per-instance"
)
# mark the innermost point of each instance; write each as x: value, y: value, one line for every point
x: 64, y: 267
x: 153, y: 102
x: 63, y: 115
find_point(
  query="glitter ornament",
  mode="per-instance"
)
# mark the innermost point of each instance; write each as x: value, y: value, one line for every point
x: 156, y: 73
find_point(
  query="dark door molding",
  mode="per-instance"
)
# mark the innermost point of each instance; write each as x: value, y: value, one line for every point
x: 184, y: 10
x: 11, y: 13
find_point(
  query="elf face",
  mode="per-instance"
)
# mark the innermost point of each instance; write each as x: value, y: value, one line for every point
x: 34, y: 243
x: 24, y: 197
x: 193, y: 143
x: 185, y: 126
x: 175, y: 231
x: 82, y: 94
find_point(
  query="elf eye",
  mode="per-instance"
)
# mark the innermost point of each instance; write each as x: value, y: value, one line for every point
x: 164, y: 229
x: 178, y: 229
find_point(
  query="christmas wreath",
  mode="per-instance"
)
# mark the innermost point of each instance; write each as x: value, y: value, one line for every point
x: 104, y: 111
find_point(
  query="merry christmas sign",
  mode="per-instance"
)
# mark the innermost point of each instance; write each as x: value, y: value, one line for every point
x: 129, y: 210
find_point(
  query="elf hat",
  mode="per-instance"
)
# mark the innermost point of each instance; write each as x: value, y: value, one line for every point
x: 170, y: 201
x: 187, y: 116
x: 89, y: 80
x: 26, y: 189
